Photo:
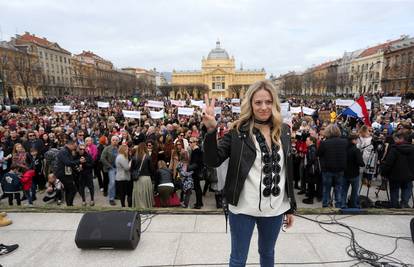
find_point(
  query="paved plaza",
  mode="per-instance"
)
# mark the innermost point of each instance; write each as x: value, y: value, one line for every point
x: 47, y: 239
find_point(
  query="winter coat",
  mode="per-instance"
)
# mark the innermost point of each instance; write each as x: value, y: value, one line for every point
x: 399, y: 163
x: 122, y: 169
x: 108, y: 158
x: 163, y: 176
x: 27, y: 179
x: 65, y: 163
x: 11, y: 183
x: 353, y: 161
x: 332, y: 154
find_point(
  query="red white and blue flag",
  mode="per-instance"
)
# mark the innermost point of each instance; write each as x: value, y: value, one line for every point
x: 359, y: 110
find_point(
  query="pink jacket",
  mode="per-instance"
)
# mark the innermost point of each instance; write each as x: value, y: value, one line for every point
x: 93, y: 151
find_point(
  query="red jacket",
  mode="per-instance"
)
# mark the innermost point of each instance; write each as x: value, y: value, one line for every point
x: 27, y: 179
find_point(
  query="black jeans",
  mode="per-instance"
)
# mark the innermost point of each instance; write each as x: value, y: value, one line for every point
x: 56, y: 196
x: 98, y: 173
x: 105, y: 182
x: 86, y: 182
x: 124, y: 190
x: 70, y: 189
x: 198, y: 191
x: 16, y: 197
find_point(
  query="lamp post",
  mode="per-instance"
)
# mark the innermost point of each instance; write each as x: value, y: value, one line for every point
x: 1, y: 91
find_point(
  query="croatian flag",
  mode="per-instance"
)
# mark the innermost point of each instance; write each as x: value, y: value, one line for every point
x: 359, y: 110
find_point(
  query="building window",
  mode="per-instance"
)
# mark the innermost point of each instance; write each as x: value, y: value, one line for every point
x: 46, y: 55
x: 40, y: 54
x: 64, y: 60
x: 60, y: 58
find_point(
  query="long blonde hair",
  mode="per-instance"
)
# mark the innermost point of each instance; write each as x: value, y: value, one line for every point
x: 246, y: 114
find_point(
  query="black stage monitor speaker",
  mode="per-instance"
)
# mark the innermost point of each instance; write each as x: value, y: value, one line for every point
x: 113, y: 229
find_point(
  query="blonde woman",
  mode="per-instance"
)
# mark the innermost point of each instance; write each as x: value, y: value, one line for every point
x: 123, y: 182
x: 259, y: 180
x: 142, y: 195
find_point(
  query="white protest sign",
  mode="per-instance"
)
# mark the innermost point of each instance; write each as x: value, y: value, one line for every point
x: 186, y: 111
x: 103, y: 104
x: 284, y: 106
x: 295, y: 110
x: 59, y: 104
x: 235, y: 100
x: 308, y: 111
x: 198, y: 103
x: 368, y: 104
x: 131, y: 114
x: 155, y: 104
x: 82, y: 103
x: 61, y: 108
x: 157, y: 114
x: 178, y: 103
x: 390, y: 100
x: 217, y: 110
x: 411, y: 104
x: 72, y: 111
x: 344, y: 102
x: 236, y: 109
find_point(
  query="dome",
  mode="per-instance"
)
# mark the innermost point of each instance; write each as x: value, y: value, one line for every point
x: 218, y: 53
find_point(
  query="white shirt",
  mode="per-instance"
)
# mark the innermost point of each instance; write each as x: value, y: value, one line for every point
x: 249, y: 197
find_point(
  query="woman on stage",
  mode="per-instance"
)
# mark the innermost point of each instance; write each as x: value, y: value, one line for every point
x: 259, y: 181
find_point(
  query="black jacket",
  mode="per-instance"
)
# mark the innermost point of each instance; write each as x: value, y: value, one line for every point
x: 241, y: 151
x: 399, y: 163
x: 196, y: 162
x: 332, y: 154
x: 65, y: 159
x: 87, y: 168
x: 353, y: 161
x: 146, y: 169
x: 163, y: 176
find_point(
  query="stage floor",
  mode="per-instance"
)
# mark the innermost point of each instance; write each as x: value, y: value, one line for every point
x: 47, y: 239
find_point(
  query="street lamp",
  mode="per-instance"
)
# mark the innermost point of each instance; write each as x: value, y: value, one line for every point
x: 1, y: 91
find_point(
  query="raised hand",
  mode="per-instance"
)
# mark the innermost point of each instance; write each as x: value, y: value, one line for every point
x: 209, y: 119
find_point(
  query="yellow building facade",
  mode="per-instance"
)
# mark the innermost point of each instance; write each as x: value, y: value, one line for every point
x: 218, y: 77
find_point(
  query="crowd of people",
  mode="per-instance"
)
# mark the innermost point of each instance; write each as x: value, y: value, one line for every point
x: 150, y: 162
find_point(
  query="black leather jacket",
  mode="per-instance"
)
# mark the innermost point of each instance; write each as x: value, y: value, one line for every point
x: 239, y: 147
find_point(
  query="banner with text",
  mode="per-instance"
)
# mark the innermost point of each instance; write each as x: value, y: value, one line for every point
x: 155, y: 104
x: 390, y: 100
x: 103, y: 104
x: 186, y: 111
x: 236, y: 109
x: 132, y: 114
x: 61, y: 108
x: 157, y: 114
x: 178, y: 103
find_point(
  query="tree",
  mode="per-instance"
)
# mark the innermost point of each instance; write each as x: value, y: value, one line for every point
x: 165, y: 89
x: 27, y: 70
x: 236, y: 88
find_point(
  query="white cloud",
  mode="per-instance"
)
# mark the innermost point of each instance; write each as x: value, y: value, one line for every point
x: 174, y: 34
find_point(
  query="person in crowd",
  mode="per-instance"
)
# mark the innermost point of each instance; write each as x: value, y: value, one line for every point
x: 35, y: 162
x: 108, y: 158
x: 259, y: 182
x: 65, y: 170
x: 103, y: 183
x: 398, y: 167
x: 19, y: 156
x: 123, y: 176
x: 54, y: 190
x: 80, y: 137
x: 27, y: 185
x: 332, y: 155
x: 354, y: 162
x: 312, y: 171
x: 33, y: 141
x: 196, y: 165
x: 141, y: 169
x: 186, y: 177
x: 85, y: 174
x: 12, y: 186
x: 369, y: 155
x: 164, y: 182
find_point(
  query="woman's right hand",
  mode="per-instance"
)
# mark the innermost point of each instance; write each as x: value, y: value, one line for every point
x: 209, y: 119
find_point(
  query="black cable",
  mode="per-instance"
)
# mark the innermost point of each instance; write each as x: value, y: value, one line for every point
x: 354, y: 250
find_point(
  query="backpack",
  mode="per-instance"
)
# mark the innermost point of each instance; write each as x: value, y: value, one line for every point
x: 51, y: 159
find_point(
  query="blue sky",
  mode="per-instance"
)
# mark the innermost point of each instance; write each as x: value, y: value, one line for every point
x: 277, y: 35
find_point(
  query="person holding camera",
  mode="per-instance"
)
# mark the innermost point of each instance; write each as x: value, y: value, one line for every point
x: 65, y: 169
